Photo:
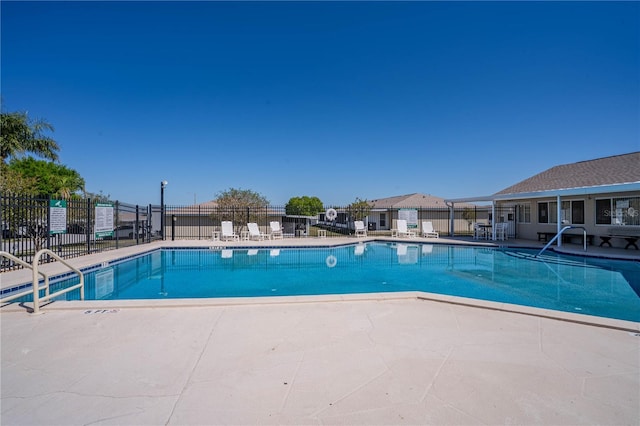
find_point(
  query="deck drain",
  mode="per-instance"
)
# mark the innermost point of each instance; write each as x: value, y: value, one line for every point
x: 101, y: 311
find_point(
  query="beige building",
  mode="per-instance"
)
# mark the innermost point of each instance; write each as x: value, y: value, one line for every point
x: 601, y: 197
x: 416, y: 208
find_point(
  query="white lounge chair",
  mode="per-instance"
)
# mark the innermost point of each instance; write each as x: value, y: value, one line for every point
x: 361, y: 231
x: 402, y: 230
x: 428, y: 231
x: 254, y: 232
x: 227, y: 231
x: 276, y: 230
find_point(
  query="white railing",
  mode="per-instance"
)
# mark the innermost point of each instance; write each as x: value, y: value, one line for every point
x: 29, y: 290
x: 36, y: 293
x: 559, y: 234
x: 36, y: 287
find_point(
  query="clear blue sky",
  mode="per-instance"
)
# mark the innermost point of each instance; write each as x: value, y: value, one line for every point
x: 330, y: 99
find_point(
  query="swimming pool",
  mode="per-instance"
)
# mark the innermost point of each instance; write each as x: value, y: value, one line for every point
x: 599, y: 287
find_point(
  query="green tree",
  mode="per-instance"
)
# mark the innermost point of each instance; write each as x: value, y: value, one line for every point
x: 305, y: 206
x: 359, y: 209
x: 469, y: 215
x: 13, y: 182
x: 239, y: 204
x: 51, y: 178
x: 233, y: 197
x: 20, y: 135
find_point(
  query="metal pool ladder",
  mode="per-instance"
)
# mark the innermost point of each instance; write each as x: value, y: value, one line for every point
x: 559, y: 234
x: 36, y: 287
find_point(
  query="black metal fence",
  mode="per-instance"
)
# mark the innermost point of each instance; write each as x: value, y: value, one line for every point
x: 32, y: 223
x: 201, y: 221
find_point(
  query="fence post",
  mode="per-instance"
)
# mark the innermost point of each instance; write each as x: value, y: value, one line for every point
x: 88, y: 226
x: 48, y: 230
x: 117, y: 222
x: 136, y: 228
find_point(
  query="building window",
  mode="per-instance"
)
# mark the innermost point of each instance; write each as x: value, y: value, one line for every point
x: 524, y: 213
x: 383, y: 220
x: 577, y: 212
x: 573, y: 212
x: 618, y: 211
x: 548, y: 212
x: 543, y: 212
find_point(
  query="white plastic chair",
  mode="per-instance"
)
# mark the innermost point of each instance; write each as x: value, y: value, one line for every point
x: 479, y: 232
x: 402, y: 230
x: 276, y: 231
x: 428, y: 231
x: 361, y: 231
x: 227, y: 231
x: 254, y: 232
x: 501, y: 231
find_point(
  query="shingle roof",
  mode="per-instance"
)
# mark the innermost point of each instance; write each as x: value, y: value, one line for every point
x: 613, y: 170
x: 409, y: 200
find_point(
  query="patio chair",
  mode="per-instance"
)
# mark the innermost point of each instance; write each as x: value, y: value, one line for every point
x: 361, y: 230
x: 428, y: 231
x: 276, y: 230
x: 227, y: 231
x: 402, y: 230
x: 254, y: 232
x: 479, y: 231
x: 501, y: 231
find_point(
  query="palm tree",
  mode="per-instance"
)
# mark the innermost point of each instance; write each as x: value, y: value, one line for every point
x: 19, y: 135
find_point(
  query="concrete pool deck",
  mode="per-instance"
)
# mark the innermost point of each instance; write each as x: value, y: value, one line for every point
x: 372, y: 359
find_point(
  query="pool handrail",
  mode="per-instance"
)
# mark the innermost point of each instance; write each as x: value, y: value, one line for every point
x: 26, y: 265
x: 584, y: 238
x: 36, y: 290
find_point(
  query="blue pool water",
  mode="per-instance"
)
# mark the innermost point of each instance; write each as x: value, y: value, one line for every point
x: 599, y: 287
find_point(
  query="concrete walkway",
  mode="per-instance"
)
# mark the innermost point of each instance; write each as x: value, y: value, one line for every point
x: 393, y: 359
x: 361, y: 362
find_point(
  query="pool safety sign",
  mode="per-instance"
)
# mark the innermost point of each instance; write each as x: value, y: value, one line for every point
x: 104, y: 220
x: 57, y: 217
x: 410, y: 215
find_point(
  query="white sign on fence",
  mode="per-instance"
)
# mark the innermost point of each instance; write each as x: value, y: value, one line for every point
x: 57, y: 217
x: 104, y: 220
